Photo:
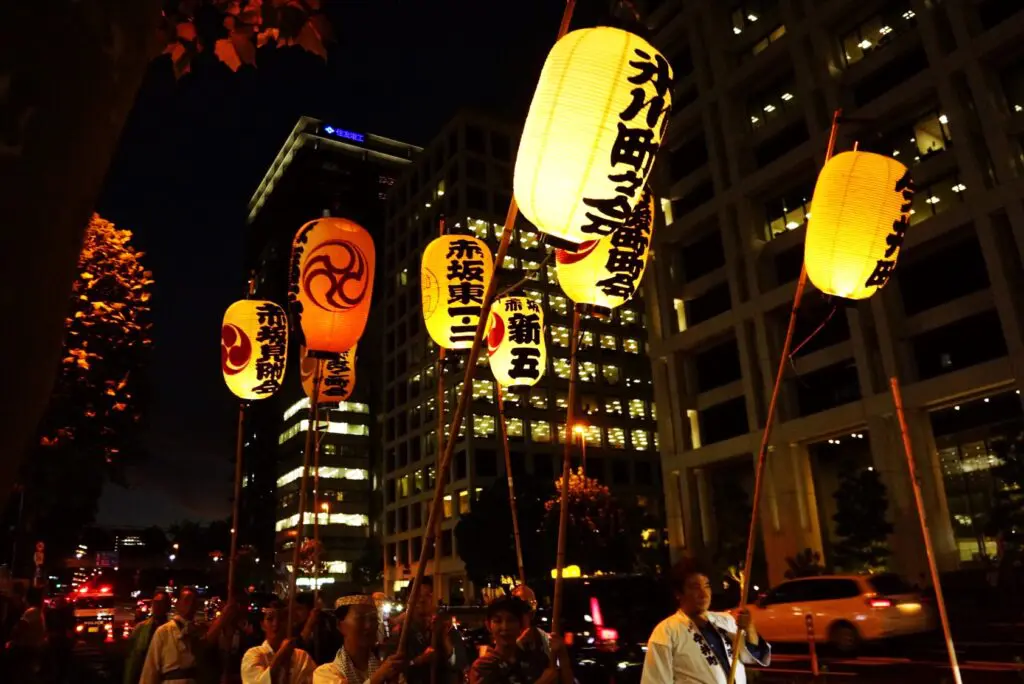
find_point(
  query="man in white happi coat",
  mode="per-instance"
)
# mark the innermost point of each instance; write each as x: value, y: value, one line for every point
x: 276, y: 660
x: 175, y: 646
x: 694, y: 646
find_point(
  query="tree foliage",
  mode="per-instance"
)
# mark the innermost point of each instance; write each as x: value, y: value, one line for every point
x: 861, y: 506
x: 232, y: 30
x: 807, y: 563
x: 368, y: 571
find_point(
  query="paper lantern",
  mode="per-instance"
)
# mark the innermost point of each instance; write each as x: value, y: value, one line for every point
x: 331, y: 283
x: 515, y: 342
x: 455, y: 272
x: 254, y: 348
x: 859, y: 215
x: 606, y: 273
x: 337, y: 376
x: 596, y: 122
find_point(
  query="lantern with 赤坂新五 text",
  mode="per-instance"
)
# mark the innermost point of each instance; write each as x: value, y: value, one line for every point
x: 606, y: 273
x: 331, y: 283
x: 515, y: 342
x: 859, y: 216
x: 454, y: 275
x: 596, y: 122
x: 253, y: 348
x: 337, y: 375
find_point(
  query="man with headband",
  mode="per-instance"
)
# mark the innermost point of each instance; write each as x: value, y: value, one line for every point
x: 276, y: 660
x: 357, y: 661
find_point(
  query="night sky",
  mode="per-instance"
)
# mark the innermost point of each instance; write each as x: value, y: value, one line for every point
x: 193, y: 152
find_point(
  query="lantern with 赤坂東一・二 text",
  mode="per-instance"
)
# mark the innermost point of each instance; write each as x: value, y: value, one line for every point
x: 337, y: 376
x: 331, y: 283
x: 606, y: 273
x: 454, y: 275
x: 515, y: 342
x: 596, y: 122
x: 253, y: 348
x: 860, y: 213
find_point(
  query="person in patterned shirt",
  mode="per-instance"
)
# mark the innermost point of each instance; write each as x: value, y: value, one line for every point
x: 509, y: 663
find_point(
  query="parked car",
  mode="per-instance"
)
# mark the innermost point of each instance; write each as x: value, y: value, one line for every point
x: 846, y: 610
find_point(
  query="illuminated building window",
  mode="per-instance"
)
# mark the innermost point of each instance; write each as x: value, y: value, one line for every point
x: 680, y: 308
x: 342, y: 407
x: 559, y: 335
x: 332, y: 427
x: 613, y: 407
x: 559, y: 304
x: 534, y: 295
x: 636, y: 408
x: 654, y: 411
x: 877, y: 32
x: 528, y: 239
x: 914, y: 142
x: 509, y: 264
x: 511, y: 399
x: 657, y: 447
x: 561, y: 368
x: 539, y: 399
x: 481, y: 361
x: 587, y: 340
x: 447, y: 506
x: 533, y: 270
x: 628, y: 316
x: 562, y: 400
x: 439, y: 192
x: 587, y: 371
x: 608, y: 342
x: 769, y: 105
x: 329, y: 449
x: 540, y: 432
x: 617, y: 438
x: 483, y: 390
x: 483, y: 426
x: 630, y: 345
x: 419, y: 481
x: 403, y: 277
x: 499, y: 229
x: 552, y: 275
x: 591, y: 434
x: 788, y: 211
x: 610, y: 374
x: 463, y: 502
x: 347, y: 519
x: 403, y: 486
x: 514, y: 427
x: 479, y: 228
x: 641, y: 439
x: 326, y: 473
x: 773, y: 35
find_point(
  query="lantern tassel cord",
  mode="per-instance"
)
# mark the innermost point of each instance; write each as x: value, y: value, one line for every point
x: 307, y: 453
x: 467, y: 387
x: 933, y: 568
x: 563, y: 497
x: 814, y: 333
x: 511, y: 485
x: 529, y: 274
x: 769, y: 423
x: 236, y: 502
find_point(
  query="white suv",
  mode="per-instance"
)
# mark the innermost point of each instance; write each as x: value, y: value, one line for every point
x: 846, y: 610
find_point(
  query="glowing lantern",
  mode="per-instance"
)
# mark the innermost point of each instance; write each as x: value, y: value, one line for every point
x: 253, y: 348
x: 331, y: 284
x: 337, y: 379
x: 595, y: 125
x: 606, y: 273
x: 859, y: 215
x: 455, y: 272
x: 515, y: 342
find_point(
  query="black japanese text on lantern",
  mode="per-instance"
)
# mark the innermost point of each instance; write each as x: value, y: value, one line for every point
x: 272, y: 338
x: 635, y: 147
x: 885, y: 266
x: 465, y: 288
x: 524, y: 332
x: 629, y: 245
x: 338, y: 376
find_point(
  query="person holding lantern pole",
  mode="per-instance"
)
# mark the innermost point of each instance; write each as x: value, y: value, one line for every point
x: 694, y: 646
x: 356, y: 661
x: 421, y: 620
x: 510, y: 663
x: 533, y: 637
x: 276, y: 660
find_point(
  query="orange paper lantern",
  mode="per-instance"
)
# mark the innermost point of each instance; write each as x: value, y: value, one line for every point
x: 331, y: 286
x: 515, y: 342
x: 454, y: 275
x: 337, y: 376
x: 253, y: 348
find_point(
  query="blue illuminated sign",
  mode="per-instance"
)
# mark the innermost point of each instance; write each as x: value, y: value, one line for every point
x: 341, y: 133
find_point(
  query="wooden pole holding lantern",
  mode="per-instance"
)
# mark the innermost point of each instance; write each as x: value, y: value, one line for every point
x: 304, y: 483
x: 563, y: 498
x: 318, y: 507
x: 915, y: 483
x: 236, y: 501
x: 467, y: 386
x: 511, y: 484
x: 437, y: 460
x: 762, y: 454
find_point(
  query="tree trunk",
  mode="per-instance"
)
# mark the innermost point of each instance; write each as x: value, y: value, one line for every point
x: 69, y: 73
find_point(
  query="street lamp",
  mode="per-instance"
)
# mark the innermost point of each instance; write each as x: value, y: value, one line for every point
x: 581, y: 431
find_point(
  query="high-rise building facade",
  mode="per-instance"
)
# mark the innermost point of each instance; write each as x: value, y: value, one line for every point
x: 465, y: 174
x: 321, y: 170
x: 937, y: 85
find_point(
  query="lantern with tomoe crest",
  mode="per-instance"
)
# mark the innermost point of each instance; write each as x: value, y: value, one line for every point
x: 454, y: 275
x: 253, y: 348
x: 338, y: 376
x: 331, y: 283
x: 515, y: 342
x: 606, y: 273
x: 596, y: 122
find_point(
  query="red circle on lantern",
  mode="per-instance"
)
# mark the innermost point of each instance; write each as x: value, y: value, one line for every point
x: 335, y: 277
x: 565, y: 257
x: 496, y: 334
x: 235, y: 349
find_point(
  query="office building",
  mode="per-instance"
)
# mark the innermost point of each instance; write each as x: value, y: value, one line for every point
x: 321, y: 170
x: 465, y: 173
x: 940, y: 87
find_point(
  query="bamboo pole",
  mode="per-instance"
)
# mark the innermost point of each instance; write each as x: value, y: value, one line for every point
x: 467, y: 383
x: 435, y: 633
x: 236, y: 502
x: 511, y: 485
x: 563, y: 506
x: 762, y: 454
x: 908, y: 449
x: 307, y: 452
x: 317, y: 510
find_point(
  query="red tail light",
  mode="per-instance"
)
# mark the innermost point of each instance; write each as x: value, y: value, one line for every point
x: 79, y: 628
x: 608, y: 634
x: 880, y: 603
x: 567, y: 638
